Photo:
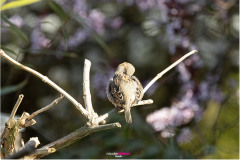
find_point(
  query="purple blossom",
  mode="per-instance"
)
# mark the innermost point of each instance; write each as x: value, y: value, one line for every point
x: 145, y: 4
x: 168, y: 132
x: 76, y: 39
x: 81, y: 8
x: 38, y: 39
x: 185, y: 75
x: 180, y: 113
x: 116, y: 23
x: 208, y: 89
x: 96, y: 19
x: 17, y: 20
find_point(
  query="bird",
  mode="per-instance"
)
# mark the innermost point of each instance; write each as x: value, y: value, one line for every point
x: 124, y: 89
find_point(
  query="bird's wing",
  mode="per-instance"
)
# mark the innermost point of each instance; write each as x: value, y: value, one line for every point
x: 139, y: 90
x: 114, y: 94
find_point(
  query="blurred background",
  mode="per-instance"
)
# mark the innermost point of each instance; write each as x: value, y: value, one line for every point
x: 195, y: 113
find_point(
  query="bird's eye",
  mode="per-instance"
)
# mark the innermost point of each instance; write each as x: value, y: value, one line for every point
x: 125, y: 71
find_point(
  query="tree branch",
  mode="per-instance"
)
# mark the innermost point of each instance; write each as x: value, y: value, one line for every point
x: 102, y: 118
x: 69, y: 139
x: 45, y: 79
x: 10, y: 131
x: 86, y: 90
x: 28, y: 148
x: 167, y: 69
x: 45, y: 108
x: 20, y: 98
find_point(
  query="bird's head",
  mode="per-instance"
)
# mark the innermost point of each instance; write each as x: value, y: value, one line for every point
x: 126, y: 68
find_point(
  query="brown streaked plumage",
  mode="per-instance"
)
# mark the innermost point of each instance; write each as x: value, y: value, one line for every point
x: 124, y: 89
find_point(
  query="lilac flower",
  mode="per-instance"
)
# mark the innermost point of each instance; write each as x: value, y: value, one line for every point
x: 38, y: 39
x: 145, y: 4
x: 116, y: 23
x: 187, y: 108
x: 17, y: 20
x: 97, y: 20
x: 185, y: 75
x: 180, y: 113
x: 208, y: 89
x: 81, y: 8
x: 76, y: 39
x: 168, y: 132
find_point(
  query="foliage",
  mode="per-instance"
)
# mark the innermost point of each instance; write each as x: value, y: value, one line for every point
x: 16, y: 3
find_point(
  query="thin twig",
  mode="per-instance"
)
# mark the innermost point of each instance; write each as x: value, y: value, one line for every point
x: 46, y: 80
x: 70, y: 138
x: 143, y: 102
x: 103, y: 117
x: 86, y: 89
x: 167, y: 69
x: 45, y: 108
x: 20, y: 98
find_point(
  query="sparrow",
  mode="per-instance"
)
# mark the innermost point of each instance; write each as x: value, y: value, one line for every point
x: 124, y: 89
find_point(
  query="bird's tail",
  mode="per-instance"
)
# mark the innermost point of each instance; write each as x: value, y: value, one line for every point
x: 128, y: 116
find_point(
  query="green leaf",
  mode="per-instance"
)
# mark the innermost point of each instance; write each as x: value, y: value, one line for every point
x: 12, y: 88
x: 15, y: 29
x: 65, y: 37
x: 18, y: 3
x: 52, y: 52
x: 57, y: 9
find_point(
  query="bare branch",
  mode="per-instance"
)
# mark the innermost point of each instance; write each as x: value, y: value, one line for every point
x: 86, y: 89
x: 143, y: 102
x: 102, y: 118
x: 45, y: 108
x: 46, y: 80
x: 10, y: 132
x: 69, y: 139
x: 167, y: 69
x: 20, y: 98
x: 28, y: 148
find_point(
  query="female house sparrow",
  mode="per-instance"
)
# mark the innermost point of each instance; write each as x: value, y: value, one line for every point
x: 124, y: 89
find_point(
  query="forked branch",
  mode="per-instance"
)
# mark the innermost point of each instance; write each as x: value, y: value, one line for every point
x: 46, y: 80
